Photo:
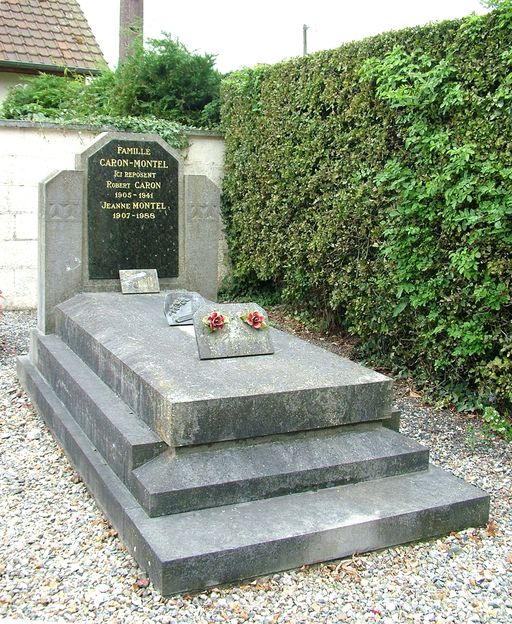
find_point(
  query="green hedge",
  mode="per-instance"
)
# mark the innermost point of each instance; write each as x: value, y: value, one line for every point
x: 373, y: 184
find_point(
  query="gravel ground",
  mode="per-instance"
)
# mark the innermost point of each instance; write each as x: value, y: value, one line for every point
x: 60, y: 561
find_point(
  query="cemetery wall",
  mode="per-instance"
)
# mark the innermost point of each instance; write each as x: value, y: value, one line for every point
x: 7, y: 81
x: 28, y: 154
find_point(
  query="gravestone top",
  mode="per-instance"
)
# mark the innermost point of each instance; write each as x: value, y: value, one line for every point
x: 87, y: 233
x: 232, y: 330
x: 132, y: 189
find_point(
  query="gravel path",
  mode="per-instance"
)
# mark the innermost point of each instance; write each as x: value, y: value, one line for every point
x: 60, y: 561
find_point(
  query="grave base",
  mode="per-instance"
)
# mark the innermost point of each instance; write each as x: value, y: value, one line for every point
x: 195, y: 516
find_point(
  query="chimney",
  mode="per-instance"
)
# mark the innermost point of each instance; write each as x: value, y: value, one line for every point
x: 131, y: 26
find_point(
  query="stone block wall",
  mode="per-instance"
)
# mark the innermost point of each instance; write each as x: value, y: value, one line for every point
x: 29, y: 153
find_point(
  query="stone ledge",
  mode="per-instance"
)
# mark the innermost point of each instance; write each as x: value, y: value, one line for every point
x: 156, y: 370
x: 191, y: 551
x: 23, y: 123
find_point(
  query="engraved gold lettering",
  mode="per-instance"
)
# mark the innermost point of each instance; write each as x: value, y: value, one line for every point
x: 119, y: 185
x: 135, y: 151
x: 115, y: 206
x: 114, y: 162
x: 140, y: 174
x: 150, y: 164
x: 148, y: 205
x: 148, y: 185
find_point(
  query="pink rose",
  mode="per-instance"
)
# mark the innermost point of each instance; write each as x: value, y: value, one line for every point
x: 215, y: 321
x: 255, y: 319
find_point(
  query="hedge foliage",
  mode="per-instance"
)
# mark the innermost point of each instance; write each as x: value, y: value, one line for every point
x: 373, y: 184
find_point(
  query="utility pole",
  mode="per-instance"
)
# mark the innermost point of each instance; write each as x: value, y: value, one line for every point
x: 131, y: 26
x: 305, y: 40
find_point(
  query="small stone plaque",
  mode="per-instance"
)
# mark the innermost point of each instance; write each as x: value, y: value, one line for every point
x: 232, y: 330
x: 137, y: 281
x: 180, y: 305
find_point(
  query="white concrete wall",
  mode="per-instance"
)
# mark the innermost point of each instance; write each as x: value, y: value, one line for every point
x: 7, y: 81
x: 28, y: 154
x: 205, y: 156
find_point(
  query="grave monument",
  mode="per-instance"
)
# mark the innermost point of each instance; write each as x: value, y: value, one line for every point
x: 210, y: 468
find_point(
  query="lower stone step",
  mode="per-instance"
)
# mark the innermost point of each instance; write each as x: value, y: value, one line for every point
x: 122, y: 438
x: 223, y: 474
x: 198, y: 549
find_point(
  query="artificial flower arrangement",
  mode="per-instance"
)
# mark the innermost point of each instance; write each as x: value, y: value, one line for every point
x: 215, y: 321
x: 255, y: 319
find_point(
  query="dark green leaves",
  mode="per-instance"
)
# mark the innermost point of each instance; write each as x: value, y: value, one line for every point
x: 373, y: 182
x: 162, y: 82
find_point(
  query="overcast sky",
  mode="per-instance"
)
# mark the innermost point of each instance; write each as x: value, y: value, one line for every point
x: 266, y: 31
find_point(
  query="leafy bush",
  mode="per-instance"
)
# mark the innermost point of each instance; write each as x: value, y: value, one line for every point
x: 164, y: 82
x: 373, y: 183
x: 39, y: 95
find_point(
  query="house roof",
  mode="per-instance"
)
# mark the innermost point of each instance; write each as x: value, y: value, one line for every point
x: 47, y: 35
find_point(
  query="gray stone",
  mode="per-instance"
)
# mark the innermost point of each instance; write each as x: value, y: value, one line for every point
x: 60, y: 243
x: 203, y: 548
x: 236, y: 338
x: 137, y: 281
x: 172, y: 481
x: 202, y: 234
x: 122, y: 438
x: 394, y: 421
x: 180, y: 306
x: 155, y: 369
x: 66, y: 232
x: 223, y: 474
x: 265, y: 468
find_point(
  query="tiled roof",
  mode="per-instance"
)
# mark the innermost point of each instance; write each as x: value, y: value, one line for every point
x: 47, y: 33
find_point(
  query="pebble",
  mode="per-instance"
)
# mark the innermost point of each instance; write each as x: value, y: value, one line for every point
x: 59, y: 561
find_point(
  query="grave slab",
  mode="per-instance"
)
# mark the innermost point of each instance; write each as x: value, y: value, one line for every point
x: 156, y: 370
x: 165, y: 480
x: 228, y: 473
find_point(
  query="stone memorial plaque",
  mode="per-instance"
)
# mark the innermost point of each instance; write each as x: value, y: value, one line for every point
x: 137, y: 281
x: 232, y: 330
x: 132, y: 208
x: 180, y: 305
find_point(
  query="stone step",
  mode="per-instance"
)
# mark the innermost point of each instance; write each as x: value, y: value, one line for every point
x: 124, y: 441
x: 227, y: 473
x: 155, y: 369
x: 196, y: 477
x: 208, y: 547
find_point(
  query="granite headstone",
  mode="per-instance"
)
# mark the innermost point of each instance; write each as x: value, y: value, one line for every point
x: 132, y: 209
x: 128, y: 205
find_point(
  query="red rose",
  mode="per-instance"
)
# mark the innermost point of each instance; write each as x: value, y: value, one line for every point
x: 255, y: 319
x: 215, y: 321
